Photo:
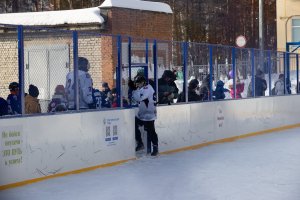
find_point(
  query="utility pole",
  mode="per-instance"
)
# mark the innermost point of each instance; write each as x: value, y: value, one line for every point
x: 261, y: 33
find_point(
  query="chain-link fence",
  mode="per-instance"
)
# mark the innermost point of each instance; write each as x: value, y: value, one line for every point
x: 62, y: 70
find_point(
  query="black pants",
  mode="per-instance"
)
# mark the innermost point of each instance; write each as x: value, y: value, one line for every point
x: 149, y: 127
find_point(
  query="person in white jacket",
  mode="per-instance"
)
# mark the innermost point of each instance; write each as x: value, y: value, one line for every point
x: 279, y: 85
x: 144, y: 94
x: 85, y: 84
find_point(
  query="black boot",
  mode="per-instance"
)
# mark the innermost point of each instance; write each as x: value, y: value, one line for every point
x: 155, y: 150
x: 140, y: 146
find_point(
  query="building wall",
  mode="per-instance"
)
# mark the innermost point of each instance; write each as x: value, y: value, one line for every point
x: 286, y: 10
x: 136, y: 24
x: 8, y: 63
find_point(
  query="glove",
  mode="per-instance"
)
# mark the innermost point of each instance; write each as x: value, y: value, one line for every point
x: 131, y: 85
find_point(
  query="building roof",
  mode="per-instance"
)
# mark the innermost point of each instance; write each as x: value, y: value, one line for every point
x: 138, y: 5
x: 78, y: 16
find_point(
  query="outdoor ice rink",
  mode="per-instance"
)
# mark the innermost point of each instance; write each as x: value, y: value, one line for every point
x: 265, y: 167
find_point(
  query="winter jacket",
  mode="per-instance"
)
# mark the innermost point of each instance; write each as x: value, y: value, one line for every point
x: 85, y: 89
x: 32, y: 105
x: 3, y: 107
x: 260, y: 87
x: 166, y: 87
x: 147, y: 105
x: 192, y: 96
x: 279, y: 87
x: 14, y: 104
x: 239, y: 86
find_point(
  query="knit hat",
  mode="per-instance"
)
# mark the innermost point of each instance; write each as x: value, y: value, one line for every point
x: 60, y: 89
x: 33, y: 91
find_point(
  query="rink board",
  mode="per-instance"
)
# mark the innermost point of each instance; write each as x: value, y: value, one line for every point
x: 188, y: 125
x: 39, y: 147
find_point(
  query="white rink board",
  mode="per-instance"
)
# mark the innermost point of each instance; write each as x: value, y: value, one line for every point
x: 54, y: 144
x: 48, y: 145
x: 186, y: 125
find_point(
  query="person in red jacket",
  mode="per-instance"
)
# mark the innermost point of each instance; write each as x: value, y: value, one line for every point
x: 239, y: 86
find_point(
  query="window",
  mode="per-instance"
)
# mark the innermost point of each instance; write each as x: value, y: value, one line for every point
x: 296, y: 30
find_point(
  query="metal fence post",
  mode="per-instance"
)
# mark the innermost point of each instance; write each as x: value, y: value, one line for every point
x: 119, y: 73
x: 253, y: 73
x: 75, y: 60
x: 270, y: 71
x: 234, y: 72
x: 185, y: 70
x: 155, y: 68
x: 285, y: 70
x: 297, y: 65
x: 129, y: 58
x: 211, y: 71
x: 21, y: 67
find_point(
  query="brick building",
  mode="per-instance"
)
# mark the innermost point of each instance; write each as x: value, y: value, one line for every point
x: 49, y: 53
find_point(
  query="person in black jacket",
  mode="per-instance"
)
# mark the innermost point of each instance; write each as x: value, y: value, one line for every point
x: 3, y: 107
x: 205, y: 88
x: 167, y: 89
x: 260, y: 85
x: 193, y: 88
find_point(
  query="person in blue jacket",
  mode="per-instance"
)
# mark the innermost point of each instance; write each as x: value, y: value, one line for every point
x: 3, y: 107
x: 14, y: 99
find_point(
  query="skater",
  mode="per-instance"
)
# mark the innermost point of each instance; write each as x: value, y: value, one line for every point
x: 144, y: 94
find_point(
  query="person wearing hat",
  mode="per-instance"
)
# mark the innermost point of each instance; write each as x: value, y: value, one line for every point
x: 58, y: 101
x: 32, y: 104
x: 143, y: 93
x: 167, y: 89
x: 204, y: 89
x: 85, y: 83
x: 107, y: 97
x: 14, y: 99
x: 219, y: 92
x: 193, y: 88
x: 239, y: 86
x: 260, y: 84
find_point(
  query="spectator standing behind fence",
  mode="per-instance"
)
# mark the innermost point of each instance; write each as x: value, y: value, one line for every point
x: 14, y: 99
x: 3, y: 107
x: 219, y: 92
x: 85, y: 84
x: 167, y: 89
x: 239, y: 86
x: 106, y: 95
x: 115, y: 99
x: 193, y: 92
x: 58, y: 102
x: 144, y: 94
x: 260, y: 85
x: 32, y: 104
x: 205, y: 88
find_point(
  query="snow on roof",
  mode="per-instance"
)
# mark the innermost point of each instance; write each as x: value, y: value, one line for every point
x: 137, y: 4
x: 79, y: 16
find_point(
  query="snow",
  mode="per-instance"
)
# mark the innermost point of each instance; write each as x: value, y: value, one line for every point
x: 79, y: 16
x: 137, y: 4
x: 264, y: 167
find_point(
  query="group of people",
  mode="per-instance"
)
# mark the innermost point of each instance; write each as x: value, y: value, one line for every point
x: 12, y: 105
x: 64, y: 96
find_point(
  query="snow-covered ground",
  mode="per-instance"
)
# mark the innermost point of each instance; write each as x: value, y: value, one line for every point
x: 263, y: 167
